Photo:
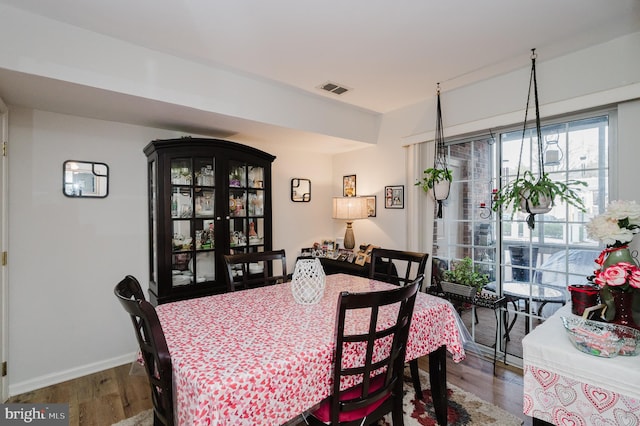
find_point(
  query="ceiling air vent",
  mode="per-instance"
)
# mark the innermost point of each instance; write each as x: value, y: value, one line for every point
x: 333, y: 88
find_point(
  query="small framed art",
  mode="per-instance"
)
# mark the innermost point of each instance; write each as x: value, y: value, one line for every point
x: 349, y: 186
x: 371, y: 205
x: 394, y: 197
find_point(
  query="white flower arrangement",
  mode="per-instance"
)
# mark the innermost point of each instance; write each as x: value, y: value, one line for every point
x: 617, y: 225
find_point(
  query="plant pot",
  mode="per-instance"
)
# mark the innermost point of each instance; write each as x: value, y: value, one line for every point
x: 543, y: 206
x: 440, y: 190
x: 459, y: 289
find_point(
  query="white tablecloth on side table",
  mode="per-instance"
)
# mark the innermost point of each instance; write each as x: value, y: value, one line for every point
x: 565, y: 386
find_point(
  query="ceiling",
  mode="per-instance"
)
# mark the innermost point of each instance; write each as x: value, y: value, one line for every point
x: 389, y: 54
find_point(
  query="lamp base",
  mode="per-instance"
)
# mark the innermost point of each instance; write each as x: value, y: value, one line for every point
x: 349, y: 238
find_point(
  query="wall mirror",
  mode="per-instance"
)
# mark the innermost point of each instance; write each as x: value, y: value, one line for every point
x: 300, y: 190
x: 85, y: 179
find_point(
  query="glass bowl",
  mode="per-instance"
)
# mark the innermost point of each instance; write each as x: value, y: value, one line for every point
x: 602, y: 339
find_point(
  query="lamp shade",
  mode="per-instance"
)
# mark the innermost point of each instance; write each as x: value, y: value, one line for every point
x: 350, y: 208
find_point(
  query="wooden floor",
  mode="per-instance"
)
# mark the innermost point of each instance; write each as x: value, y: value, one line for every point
x: 110, y: 396
x: 99, y: 399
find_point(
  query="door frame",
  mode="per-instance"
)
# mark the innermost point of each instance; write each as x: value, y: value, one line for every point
x: 4, y: 239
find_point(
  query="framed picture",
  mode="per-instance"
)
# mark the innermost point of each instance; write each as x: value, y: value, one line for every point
x: 349, y: 186
x: 361, y: 259
x: 371, y: 205
x: 329, y: 245
x: 394, y: 197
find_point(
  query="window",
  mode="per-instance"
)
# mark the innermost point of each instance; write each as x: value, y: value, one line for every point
x: 519, y: 261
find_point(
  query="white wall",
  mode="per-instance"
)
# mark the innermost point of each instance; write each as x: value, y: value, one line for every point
x: 66, y: 255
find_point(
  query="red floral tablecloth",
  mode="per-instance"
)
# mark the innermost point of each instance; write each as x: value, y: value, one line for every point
x: 257, y: 357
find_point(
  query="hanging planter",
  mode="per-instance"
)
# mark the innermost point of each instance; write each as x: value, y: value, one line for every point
x: 437, y: 179
x: 536, y: 194
x: 437, y: 182
x: 441, y: 190
x: 543, y: 206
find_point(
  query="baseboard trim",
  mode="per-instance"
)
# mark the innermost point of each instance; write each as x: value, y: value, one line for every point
x: 73, y: 373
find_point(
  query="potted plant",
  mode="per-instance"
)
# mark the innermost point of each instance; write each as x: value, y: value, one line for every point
x: 438, y: 180
x: 536, y: 195
x: 462, y: 279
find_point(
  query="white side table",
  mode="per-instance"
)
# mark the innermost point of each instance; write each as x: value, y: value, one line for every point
x: 565, y: 386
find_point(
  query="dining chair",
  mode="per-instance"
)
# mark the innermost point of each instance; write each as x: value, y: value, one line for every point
x: 399, y: 267
x: 396, y: 266
x: 250, y: 270
x: 153, y: 347
x: 381, y: 375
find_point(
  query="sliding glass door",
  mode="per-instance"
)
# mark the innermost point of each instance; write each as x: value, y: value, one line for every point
x: 531, y: 267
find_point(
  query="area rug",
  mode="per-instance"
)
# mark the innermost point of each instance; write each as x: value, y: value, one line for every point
x: 465, y: 409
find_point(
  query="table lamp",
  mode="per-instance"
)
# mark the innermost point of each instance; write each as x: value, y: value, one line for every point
x: 350, y: 209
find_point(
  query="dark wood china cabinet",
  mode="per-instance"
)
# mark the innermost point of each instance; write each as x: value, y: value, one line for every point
x: 207, y: 198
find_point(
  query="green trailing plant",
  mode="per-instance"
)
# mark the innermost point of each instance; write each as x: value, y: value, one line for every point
x: 462, y: 272
x: 433, y: 176
x: 528, y: 187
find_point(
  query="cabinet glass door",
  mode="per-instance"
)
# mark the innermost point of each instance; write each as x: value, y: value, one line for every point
x: 192, y: 214
x: 246, y: 207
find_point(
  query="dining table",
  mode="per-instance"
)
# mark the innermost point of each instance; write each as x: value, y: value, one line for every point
x: 257, y: 357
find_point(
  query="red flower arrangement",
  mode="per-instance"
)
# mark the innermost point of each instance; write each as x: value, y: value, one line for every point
x: 622, y: 276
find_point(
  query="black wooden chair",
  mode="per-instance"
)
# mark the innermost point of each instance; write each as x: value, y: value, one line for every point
x: 378, y: 394
x: 396, y: 266
x: 153, y: 347
x: 387, y: 265
x: 250, y: 270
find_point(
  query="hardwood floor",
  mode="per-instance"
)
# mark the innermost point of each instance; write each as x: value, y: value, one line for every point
x: 99, y: 399
x: 104, y: 398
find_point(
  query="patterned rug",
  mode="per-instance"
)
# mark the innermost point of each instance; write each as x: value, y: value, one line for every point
x: 465, y: 409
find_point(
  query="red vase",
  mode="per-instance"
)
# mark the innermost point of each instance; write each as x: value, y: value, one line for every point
x: 623, y: 315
